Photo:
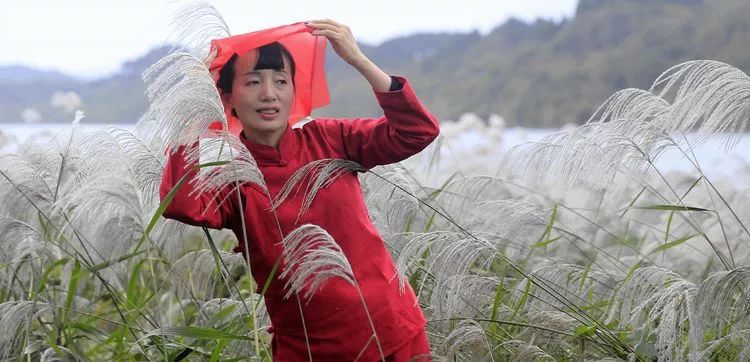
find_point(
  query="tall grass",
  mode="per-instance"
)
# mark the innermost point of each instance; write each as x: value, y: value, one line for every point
x: 578, y: 247
x: 573, y: 248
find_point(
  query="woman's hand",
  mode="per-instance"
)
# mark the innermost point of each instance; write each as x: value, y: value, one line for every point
x: 343, y: 43
x: 341, y: 39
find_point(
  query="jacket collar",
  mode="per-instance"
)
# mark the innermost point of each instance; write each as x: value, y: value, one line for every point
x: 274, y: 156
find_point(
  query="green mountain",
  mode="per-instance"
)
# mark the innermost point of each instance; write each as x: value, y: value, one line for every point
x: 540, y: 74
x: 545, y: 74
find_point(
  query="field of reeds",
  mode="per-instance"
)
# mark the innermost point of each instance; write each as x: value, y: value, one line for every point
x: 576, y: 247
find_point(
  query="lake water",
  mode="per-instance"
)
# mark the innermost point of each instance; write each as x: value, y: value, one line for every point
x: 475, y: 144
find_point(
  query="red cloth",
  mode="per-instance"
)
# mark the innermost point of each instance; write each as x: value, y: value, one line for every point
x: 335, y: 319
x: 416, y: 350
x: 308, y: 51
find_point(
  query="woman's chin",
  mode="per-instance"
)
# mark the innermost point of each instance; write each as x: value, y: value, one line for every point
x: 267, y: 126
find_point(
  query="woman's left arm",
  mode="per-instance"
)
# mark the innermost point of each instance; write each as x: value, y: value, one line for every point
x: 407, y: 126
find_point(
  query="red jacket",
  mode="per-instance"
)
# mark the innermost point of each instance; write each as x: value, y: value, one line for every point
x: 336, y: 322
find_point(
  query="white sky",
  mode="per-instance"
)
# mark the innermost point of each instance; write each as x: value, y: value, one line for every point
x: 90, y: 38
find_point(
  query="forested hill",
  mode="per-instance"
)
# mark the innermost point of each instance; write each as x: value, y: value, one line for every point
x: 542, y: 74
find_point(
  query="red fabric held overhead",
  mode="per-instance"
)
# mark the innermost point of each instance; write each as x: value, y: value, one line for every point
x: 308, y: 51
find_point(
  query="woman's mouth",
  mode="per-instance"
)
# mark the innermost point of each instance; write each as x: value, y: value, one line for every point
x: 267, y: 113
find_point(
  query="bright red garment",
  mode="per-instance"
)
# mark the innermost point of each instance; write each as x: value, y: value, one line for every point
x: 417, y: 350
x: 336, y: 322
x: 308, y: 51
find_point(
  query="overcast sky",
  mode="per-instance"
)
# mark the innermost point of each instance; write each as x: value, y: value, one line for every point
x: 90, y: 38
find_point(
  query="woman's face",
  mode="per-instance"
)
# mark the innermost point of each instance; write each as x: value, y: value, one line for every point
x: 261, y: 98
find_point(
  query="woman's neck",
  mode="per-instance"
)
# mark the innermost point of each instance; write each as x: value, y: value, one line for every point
x: 271, y: 139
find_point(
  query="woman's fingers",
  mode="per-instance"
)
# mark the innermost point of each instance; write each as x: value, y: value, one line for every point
x: 326, y: 21
x: 326, y: 26
x: 341, y: 38
x: 329, y: 25
x: 325, y: 32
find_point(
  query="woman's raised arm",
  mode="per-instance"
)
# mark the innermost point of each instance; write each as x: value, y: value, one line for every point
x: 406, y: 128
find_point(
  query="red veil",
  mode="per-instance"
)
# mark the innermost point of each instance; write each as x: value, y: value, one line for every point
x: 308, y: 51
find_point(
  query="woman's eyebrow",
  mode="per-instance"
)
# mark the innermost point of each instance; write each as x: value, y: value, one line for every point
x: 257, y: 72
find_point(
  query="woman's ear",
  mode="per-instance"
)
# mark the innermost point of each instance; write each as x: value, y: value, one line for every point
x: 226, y: 99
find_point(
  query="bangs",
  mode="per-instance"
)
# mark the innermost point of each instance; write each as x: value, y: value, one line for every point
x: 271, y: 56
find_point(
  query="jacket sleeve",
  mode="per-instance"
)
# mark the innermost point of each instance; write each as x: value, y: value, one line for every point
x: 196, y: 210
x: 406, y: 128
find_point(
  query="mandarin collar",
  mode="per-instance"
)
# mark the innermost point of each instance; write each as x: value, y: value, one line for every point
x: 273, y: 156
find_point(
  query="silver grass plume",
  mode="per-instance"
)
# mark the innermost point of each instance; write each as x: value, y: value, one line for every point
x: 213, y: 312
x: 109, y: 199
x: 102, y: 154
x: 449, y: 254
x: 658, y: 299
x: 638, y: 292
x: 143, y: 164
x: 577, y: 284
x: 240, y: 166
x: 390, y: 199
x: 183, y: 100
x: 720, y: 302
x: 16, y: 317
x: 195, y: 24
x: 634, y: 127
x: 60, y: 160
x: 706, y: 96
x: 726, y: 348
x: 514, y: 221
x: 630, y: 104
x: 105, y: 219
x: 230, y: 314
x: 170, y: 236
x: 21, y: 186
x: 465, y: 192
x: 135, y: 170
x: 313, y: 177
x: 556, y: 320
x: 20, y: 243
x: 592, y: 154
x: 521, y: 351
x: 466, y: 296
x: 18, y: 239
x: 553, y: 338
x: 467, y: 342
x: 670, y: 315
x: 195, y: 274
x: 311, y: 257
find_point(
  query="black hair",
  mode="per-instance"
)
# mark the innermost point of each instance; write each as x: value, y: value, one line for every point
x: 270, y: 56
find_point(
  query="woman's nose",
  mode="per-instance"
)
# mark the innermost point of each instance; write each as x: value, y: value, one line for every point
x: 267, y: 91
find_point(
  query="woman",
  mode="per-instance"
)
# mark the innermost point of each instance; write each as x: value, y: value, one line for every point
x: 258, y: 87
